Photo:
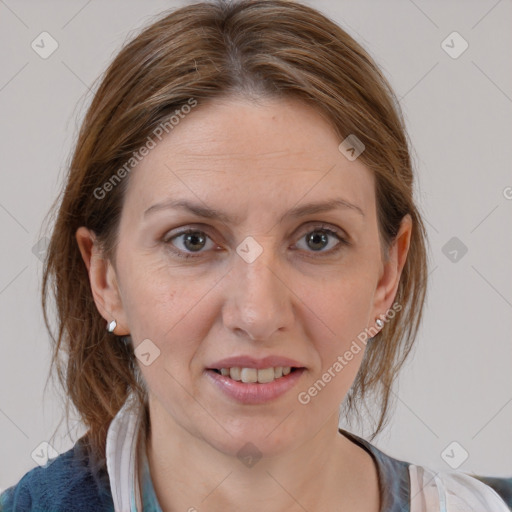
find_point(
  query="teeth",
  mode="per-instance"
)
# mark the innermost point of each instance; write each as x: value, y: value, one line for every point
x: 266, y: 375
x: 249, y: 375
x: 234, y: 373
x: 254, y: 375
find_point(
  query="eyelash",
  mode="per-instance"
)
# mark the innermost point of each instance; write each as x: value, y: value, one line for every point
x: 329, y: 231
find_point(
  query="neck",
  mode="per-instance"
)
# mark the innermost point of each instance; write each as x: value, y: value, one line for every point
x: 190, y: 474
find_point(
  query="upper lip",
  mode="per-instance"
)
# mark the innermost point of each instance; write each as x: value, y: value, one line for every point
x: 253, y: 362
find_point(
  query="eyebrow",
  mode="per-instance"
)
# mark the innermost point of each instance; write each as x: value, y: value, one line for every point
x: 298, y: 211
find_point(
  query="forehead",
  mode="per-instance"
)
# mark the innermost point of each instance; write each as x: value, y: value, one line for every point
x: 266, y: 154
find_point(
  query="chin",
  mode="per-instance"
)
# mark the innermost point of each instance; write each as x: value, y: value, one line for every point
x: 251, y: 440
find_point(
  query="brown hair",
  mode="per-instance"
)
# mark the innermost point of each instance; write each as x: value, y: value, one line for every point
x: 254, y: 48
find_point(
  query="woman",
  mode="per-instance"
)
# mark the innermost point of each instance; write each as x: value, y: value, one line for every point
x: 236, y: 253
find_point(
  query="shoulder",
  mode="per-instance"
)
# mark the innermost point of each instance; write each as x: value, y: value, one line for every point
x: 502, y: 485
x: 404, y: 484
x: 453, y: 489
x: 67, y: 482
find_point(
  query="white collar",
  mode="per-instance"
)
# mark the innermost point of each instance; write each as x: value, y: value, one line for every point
x: 122, y: 457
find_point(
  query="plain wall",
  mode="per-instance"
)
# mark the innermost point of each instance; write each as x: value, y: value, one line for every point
x: 458, y: 384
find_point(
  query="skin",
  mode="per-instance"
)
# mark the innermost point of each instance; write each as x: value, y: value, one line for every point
x: 256, y: 161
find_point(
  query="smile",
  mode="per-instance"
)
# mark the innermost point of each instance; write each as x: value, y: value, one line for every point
x: 255, y: 375
x: 254, y: 386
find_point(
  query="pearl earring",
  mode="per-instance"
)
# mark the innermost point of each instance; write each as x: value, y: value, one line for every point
x: 379, y: 323
x: 111, y: 326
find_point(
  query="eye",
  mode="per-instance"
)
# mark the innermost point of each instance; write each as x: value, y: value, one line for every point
x: 317, y: 239
x: 193, y: 240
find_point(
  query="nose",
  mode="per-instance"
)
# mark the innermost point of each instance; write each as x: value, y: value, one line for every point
x: 258, y: 300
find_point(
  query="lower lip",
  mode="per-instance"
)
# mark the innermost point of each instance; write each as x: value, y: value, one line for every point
x: 255, y: 393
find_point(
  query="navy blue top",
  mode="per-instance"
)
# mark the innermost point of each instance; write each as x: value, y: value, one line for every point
x: 71, y: 482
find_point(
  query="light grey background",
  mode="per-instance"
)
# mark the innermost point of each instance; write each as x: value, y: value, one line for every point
x: 458, y: 111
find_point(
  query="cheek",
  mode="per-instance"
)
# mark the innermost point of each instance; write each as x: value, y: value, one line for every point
x: 342, y: 304
x: 155, y: 295
x: 340, y: 312
x: 164, y: 304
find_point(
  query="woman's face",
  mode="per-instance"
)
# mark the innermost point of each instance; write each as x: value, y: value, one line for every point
x: 260, y: 282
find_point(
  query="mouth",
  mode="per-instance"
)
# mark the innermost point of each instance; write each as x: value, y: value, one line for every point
x: 254, y: 375
x: 251, y: 386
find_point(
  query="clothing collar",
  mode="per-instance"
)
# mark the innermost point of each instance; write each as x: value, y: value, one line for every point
x: 393, y: 474
x: 123, y: 456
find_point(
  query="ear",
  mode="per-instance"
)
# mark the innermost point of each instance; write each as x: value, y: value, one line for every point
x: 102, y: 277
x: 392, y: 270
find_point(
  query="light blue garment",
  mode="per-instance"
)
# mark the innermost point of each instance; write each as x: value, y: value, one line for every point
x: 149, y: 499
